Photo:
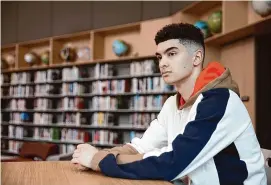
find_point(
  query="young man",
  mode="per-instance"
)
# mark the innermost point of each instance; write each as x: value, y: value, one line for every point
x: 204, y: 132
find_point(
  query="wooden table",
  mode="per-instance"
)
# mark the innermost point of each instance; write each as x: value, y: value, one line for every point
x: 59, y: 173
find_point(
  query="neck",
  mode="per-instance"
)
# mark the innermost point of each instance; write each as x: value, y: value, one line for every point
x: 186, y: 86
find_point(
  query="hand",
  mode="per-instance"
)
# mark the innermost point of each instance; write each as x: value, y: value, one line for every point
x: 83, y: 155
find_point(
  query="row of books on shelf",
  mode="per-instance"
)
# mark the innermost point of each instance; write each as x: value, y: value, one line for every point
x: 28, y: 90
x: 36, y: 104
x: 144, y: 67
x: 150, y: 84
x: 135, y: 120
x: 16, y: 104
x: 144, y: 85
x: 97, y: 87
x: 18, y: 91
x: 17, y: 132
x: 12, y: 146
x: 149, y: 102
x: 17, y: 78
x: 71, y: 136
x: 66, y: 149
x: 113, y: 86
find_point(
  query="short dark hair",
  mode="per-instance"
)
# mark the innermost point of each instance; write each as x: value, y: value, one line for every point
x: 182, y: 31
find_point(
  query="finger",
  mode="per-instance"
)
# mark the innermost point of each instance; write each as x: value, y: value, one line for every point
x: 77, y: 151
x: 81, y: 145
x: 75, y: 161
x: 76, y: 155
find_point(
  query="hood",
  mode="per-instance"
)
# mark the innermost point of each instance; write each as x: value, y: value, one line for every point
x: 214, y: 75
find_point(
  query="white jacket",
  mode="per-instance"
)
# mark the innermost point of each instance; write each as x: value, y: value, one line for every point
x: 211, y: 140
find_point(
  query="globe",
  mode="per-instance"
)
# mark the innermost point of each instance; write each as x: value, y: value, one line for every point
x: 10, y: 59
x: 203, y: 26
x: 263, y: 8
x: 120, y: 47
x: 68, y: 54
x: 30, y: 58
x: 45, y: 57
x: 215, y: 22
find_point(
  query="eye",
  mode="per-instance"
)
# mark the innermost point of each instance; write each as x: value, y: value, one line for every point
x: 159, y: 57
x: 172, y: 53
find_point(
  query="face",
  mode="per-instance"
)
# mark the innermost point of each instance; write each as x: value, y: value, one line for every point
x: 175, y: 62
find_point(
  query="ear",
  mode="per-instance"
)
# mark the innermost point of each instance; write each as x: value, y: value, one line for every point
x: 198, y: 57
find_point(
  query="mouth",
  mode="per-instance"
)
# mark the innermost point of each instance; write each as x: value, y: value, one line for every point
x: 165, y: 73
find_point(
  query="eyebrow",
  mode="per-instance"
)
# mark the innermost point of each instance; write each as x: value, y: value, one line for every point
x: 167, y: 50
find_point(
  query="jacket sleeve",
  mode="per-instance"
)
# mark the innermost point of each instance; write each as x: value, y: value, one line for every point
x: 213, y: 129
x: 125, y: 153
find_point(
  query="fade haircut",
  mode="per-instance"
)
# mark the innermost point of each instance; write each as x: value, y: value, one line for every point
x: 189, y: 36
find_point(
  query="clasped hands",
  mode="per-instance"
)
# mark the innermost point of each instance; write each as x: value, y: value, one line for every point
x: 83, y: 156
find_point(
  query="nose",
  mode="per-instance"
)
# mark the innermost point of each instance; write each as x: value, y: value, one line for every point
x: 163, y: 63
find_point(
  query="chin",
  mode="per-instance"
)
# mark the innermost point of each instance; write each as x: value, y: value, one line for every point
x: 169, y: 81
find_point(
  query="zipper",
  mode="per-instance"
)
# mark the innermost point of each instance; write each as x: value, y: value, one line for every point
x: 180, y: 114
x: 180, y: 117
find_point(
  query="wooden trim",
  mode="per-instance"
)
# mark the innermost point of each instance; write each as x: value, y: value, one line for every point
x: 71, y: 35
x: 8, y: 46
x: 78, y: 63
x: 200, y: 7
x: 118, y: 28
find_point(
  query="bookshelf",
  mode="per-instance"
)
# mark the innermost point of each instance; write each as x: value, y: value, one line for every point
x: 79, y: 101
x: 54, y: 120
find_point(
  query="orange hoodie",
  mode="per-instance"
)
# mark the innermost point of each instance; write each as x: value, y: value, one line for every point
x: 208, y: 74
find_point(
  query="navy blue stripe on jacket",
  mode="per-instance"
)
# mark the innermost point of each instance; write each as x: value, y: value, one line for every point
x: 185, y: 147
x: 234, y: 171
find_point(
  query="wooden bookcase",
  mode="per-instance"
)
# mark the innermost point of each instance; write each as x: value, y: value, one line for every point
x: 233, y: 47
